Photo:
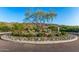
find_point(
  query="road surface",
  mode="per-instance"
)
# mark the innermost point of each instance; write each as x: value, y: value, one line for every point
x: 7, y: 46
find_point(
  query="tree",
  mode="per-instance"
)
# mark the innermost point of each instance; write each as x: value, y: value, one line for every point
x: 50, y: 15
x: 39, y: 17
x: 28, y: 15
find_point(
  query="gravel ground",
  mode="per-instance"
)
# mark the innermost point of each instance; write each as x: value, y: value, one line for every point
x: 7, y: 46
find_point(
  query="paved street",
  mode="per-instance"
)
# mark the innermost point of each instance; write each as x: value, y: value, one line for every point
x: 7, y: 46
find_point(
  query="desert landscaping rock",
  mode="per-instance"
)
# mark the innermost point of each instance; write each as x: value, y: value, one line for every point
x: 21, y: 40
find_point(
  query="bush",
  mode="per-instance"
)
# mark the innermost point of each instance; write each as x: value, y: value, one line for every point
x: 29, y: 35
x: 16, y: 33
x: 5, y: 28
x: 49, y: 35
x: 58, y: 34
x: 52, y: 28
x: 63, y: 33
x: 18, y: 26
x: 40, y: 34
x: 22, y: 33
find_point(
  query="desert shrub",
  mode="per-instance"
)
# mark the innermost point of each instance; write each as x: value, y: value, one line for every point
x: 16, y: 33
x: 23, y: 33
x: 63, y: 33
x: 17, y: 29
x: 18, y: 26
x: 40, y: 34
x: 29, y: 35
x: 49, y: 35
x: 52, y: 28
x: 5, y: 28
x: 58, y: 34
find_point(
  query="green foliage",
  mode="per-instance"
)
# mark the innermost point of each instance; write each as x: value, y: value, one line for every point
x: 58, y: 34
x: 39, y: 16
x: 63, y: 33
x: 18, y: 26
x: 49, y: 35
x: 5, y: 28
x: 69, y: 28
x: 52, y: 27
x: 40, y: 34
x: 22, y: 33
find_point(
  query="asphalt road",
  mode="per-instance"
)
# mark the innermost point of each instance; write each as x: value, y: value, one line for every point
x: 7, y: 46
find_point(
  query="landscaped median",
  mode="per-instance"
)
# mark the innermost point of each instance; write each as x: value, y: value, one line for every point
x: 45, y: 41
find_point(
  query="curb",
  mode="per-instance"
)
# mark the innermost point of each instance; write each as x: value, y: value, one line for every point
x: 40, y: 42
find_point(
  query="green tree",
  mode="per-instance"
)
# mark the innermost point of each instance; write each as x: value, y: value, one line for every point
x: 50, y: 16
x: 28, y: 15
x: 39, y: 17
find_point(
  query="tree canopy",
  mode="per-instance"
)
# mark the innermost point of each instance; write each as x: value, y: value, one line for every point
x: 39, y: 16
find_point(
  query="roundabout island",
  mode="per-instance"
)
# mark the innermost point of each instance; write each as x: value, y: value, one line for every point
x: 38, y: 40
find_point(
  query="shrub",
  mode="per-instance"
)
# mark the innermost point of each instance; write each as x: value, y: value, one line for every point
x: 53, y: 28
x: 18, y: 26
x: 40, y: 34
x: 58, y: 34
x: 22, y: 33
x: 29, y: 35
x: 63, y: 33
x: 49, y: 35
x: 16, y: 33
x: 5, y: 28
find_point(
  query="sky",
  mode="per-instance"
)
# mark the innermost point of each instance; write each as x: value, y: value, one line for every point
x: 65, y: 15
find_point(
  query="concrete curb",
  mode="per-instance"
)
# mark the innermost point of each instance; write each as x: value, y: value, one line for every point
x: 41, y: 42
